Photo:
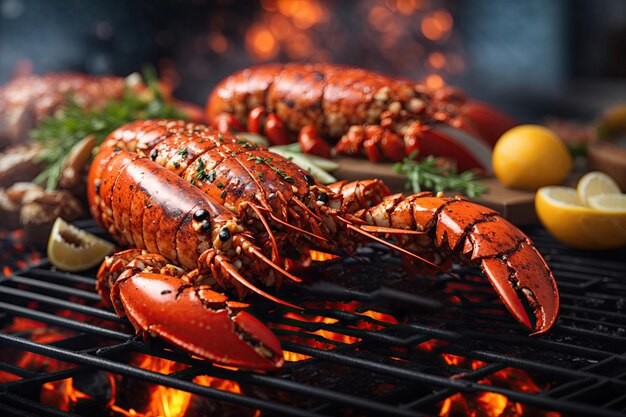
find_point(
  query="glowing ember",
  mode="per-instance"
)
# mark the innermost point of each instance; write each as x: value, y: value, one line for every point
x: 163, y: 401
x: 485, y: 404
x: 353, y: 307
x: 321, y: 256
x: 294, y: 357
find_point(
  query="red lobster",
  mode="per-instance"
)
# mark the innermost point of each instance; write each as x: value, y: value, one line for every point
x: 369, y: 113
x: 141, y: 188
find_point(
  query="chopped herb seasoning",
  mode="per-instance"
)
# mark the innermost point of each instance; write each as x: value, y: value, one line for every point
x: 220, y: 184
x: 183, y: 152
x: 220, y: 137
x: 176, y: 164
x: 223, y: 194
x: 200, y: 165
x: 261, y: 176
x: 233, y: 154
x: 289, y: 179
x: 245, y: 144
x: 211, y: 175
x: 193, y: 181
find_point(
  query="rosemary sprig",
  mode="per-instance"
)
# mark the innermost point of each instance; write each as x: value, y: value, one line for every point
x: 428, y: 174
x: 58, y: 133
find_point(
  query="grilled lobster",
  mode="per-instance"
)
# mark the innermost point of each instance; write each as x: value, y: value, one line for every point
x: 26, y: 100
x: 143, y: 205
x: 288, y: 213
x: 369, y: 113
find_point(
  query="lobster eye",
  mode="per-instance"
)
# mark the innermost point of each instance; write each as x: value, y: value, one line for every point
x: 154, y: 154
x: 323, y: 198
x: 224, y: 234
x: 200, y: 215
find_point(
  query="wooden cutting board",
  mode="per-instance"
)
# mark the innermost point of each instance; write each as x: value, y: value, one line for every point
x: 516, y: 206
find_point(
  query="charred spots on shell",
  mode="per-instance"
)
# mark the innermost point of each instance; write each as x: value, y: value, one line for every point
x: 97, y: 184
x: 309, y: 179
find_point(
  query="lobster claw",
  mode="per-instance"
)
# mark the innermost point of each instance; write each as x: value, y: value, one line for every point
x: 521, y: 276
x: 196, y: 319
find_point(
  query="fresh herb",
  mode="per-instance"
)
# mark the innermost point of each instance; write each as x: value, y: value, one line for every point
x: 233, y: 154
x: 176, y: 164
x: 430, y: 174
x: 220, y: 137
x: 200, y: 165
x: 245, y: 144
x: 183, y: 152
x: 202, y: 175
x: 223, y: 194
x: 192, y: 181
x: 261, y: 176
x: 220, y: 184
x: 57, y: 134
x: 211, y: 176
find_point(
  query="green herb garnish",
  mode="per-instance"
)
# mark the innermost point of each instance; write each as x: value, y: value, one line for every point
x: 429, y: 174
x: 58, y: 133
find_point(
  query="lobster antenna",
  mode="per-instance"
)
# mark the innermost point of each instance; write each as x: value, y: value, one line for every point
x: 395, y: 247
x: 296, y: 228
x: 275, y: 254
x: 389, y: 230
x: 273, y: 265
x: 305, y: 208
x: 233, y: 273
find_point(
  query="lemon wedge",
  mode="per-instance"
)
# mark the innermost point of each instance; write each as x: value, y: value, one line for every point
x: 608, y: 202
x: 581, y: 227
x: 72, y: 249
x: 594, y: 183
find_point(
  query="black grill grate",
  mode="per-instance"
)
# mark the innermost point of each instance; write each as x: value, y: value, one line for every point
x: 580, y: 365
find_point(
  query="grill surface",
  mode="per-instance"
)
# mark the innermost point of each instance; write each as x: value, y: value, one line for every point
x: 582, y: 361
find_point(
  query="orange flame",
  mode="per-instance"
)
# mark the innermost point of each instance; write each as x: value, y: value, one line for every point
x: 163, y: 402
x: 485, y: 404
x: 321, y: 256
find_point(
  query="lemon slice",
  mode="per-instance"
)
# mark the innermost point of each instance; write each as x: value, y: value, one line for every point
x: 608, y: 202
x: 594, y: 183
x: 578, y: 226
x: 72, y: 249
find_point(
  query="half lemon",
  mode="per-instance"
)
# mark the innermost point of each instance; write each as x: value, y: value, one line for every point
x: 72, y: 249
x: 581, y: 227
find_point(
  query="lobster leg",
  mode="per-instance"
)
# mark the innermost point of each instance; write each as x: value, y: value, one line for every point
x: 380, y: 143
x: 158, y: 302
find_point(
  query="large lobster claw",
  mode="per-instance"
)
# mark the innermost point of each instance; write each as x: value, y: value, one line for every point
x: 196, y: 319
x: 517, y: 271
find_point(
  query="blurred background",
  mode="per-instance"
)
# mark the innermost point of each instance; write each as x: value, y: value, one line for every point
x: 530, y: 57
